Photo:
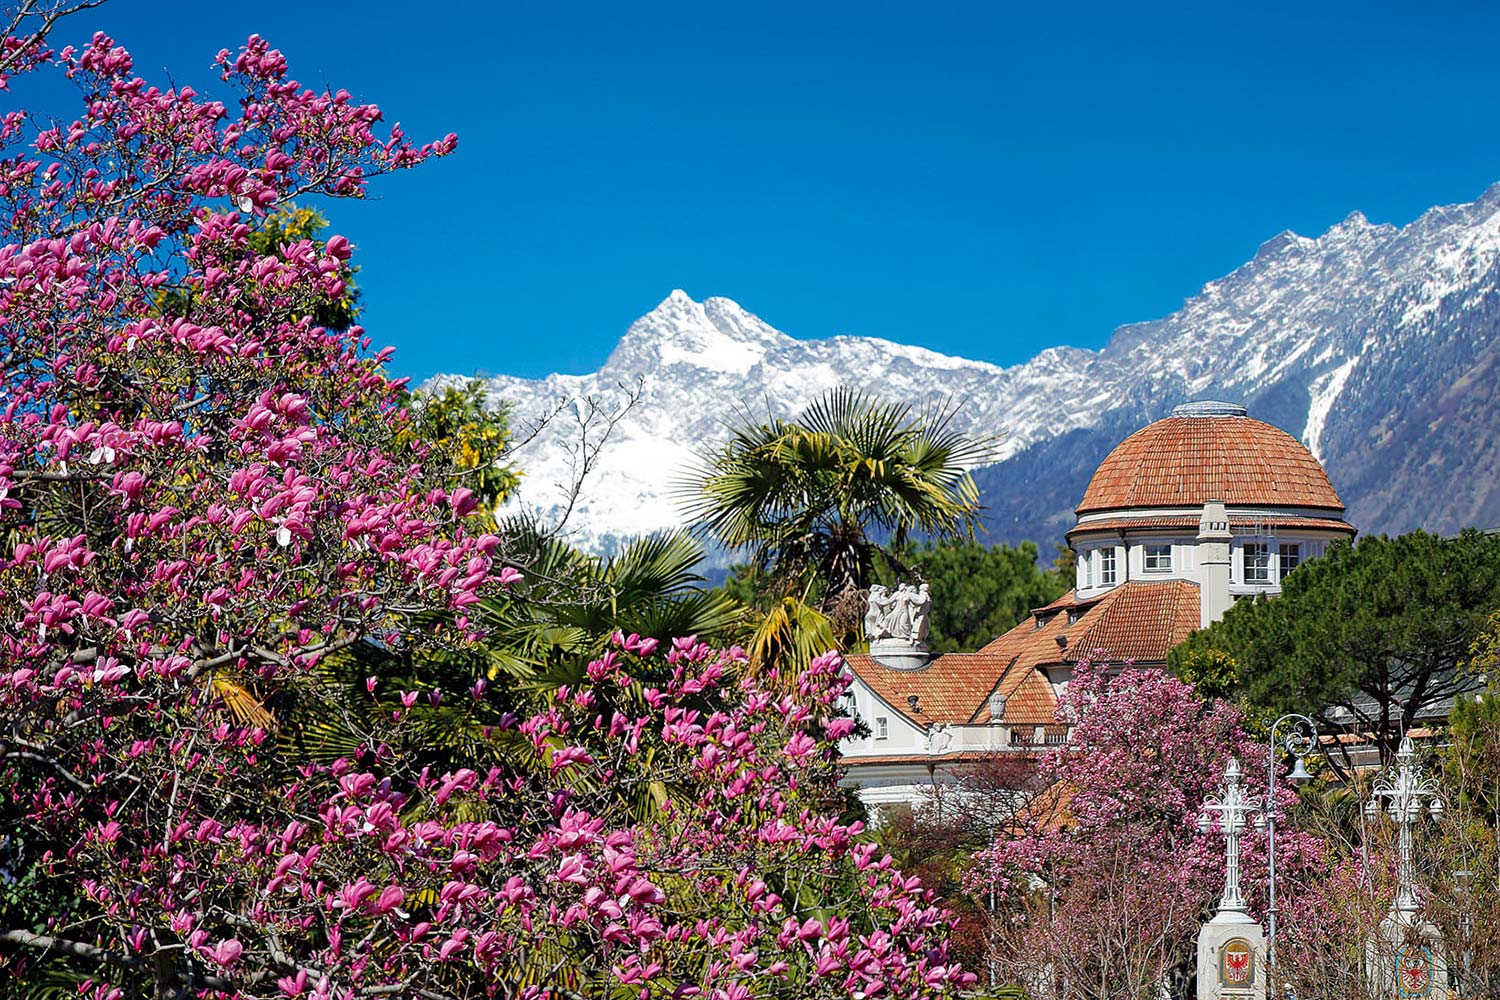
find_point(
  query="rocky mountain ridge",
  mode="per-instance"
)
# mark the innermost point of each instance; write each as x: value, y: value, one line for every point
x: 1374, y: 344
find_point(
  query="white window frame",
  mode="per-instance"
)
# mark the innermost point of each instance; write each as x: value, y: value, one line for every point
x: 882, y: 727
x: 1262, y: 551
x: 1109, y: 571
x: 1146, y: 553
x: 1281, y: 568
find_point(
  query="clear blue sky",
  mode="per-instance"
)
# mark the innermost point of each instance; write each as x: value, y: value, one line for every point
x: 984, y: 179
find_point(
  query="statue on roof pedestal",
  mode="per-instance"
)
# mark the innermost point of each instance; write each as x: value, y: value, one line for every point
x: 920, y: 620
x: 897, y: 622
x: 903, y: 613
x: 877, y: 612
x: 939, y: 738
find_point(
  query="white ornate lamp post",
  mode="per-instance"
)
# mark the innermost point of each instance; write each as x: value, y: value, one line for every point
x: 1231, y: 945
x: 1419, y: 968
x: 1406, y: 795
x: 1233, y: 809
x: 1299, y: 742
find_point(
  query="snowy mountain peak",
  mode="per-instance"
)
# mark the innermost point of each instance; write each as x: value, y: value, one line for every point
x: 1356, y: 228
x: 714, y: 335
x: 1373, y: 344
x: 1283, y: 244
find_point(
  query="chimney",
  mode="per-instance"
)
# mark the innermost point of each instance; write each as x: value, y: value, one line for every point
x: 1213, y: 563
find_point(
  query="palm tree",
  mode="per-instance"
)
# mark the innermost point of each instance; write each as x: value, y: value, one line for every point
x: 811, y: 497
x: 543, y: 634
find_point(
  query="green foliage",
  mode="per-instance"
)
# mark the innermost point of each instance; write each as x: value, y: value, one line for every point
x: 744, y: 584
x: 1484, y: 652
x: 1211, y: 671
x: 545, y: 632
x: 1466, y: 886
x: 470, y: 435
x: 1380, y: 629
x: 1472, y: 758
x: 978, y: 591
x: 784, y: 631
x: 47, y: 977
x: 1471, y: 761
x: 805, y: 496
x: 28, y: 900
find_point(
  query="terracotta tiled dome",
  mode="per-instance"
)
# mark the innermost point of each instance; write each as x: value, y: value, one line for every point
x: 1206, y: 452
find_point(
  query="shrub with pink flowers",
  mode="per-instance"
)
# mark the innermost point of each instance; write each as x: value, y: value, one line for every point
x: 1106, y: 879
x: 205, y: 499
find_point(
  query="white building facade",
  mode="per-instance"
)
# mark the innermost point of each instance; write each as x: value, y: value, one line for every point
x: 1187, y: 515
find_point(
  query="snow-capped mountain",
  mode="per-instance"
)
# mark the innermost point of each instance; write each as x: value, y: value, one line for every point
x: 1375, y: 345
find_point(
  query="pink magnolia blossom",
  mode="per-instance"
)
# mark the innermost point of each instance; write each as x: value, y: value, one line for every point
x: 205, y: 496
x: 1115, y: 841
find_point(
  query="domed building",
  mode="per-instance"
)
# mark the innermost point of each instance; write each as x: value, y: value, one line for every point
x: 1157, y: 497
x: 1182, y: 518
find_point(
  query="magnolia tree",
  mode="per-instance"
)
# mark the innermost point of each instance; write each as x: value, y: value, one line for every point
x: 205, y: 498
x: 1104, y: 881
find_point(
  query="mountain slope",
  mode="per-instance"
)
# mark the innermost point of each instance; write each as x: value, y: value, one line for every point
x: 1375, y: 345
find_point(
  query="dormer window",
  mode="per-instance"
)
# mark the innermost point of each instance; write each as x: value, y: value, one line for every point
x: 1158, y: 558
x: 1257, y: 562
x: 1291, y: 558
x: 1106, y: 567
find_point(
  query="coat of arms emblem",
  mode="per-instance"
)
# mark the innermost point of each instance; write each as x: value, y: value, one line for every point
x: 1237, y: 964
x: 1413, y: 972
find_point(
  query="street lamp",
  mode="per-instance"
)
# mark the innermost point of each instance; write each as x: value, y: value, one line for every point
x: 1234, y: 807
x: 1406, y: 793
x: 1299, y: 742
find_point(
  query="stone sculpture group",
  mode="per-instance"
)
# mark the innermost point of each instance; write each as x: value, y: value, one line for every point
x: 901, y: 614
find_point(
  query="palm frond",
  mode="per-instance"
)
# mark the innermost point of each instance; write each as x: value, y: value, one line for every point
x: 790, y: 636
x: 804, y: 496
x: 242, y: 703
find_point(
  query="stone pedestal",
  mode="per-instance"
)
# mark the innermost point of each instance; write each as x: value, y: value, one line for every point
x: 900, y: 654
x: 1231, y: 958
x: 1405, y: 959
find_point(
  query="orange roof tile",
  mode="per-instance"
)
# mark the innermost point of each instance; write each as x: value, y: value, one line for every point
x: 948, y: 688
x: 1032, y: 703
x: 1143, y: 622
x: 1187, y: 461
x: 1237, y: 524
x: 1138, y: 620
